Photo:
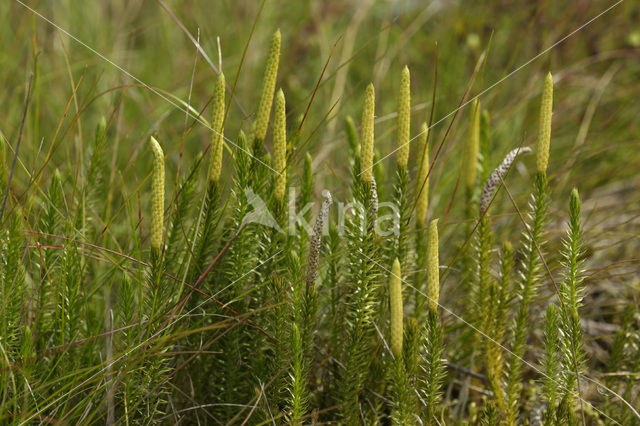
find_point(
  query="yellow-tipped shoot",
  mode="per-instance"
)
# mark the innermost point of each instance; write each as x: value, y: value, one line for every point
x: 473, y: 146
x: 157, y: 194
x: 280, y: 147
x: 217, y: 137
x: 268, y: 87
x: 433, y: 273
x: 404, y: 117
x: 395, y: 302
x: 366, y: 134
x: 422, y: 185
x: 544, y: 133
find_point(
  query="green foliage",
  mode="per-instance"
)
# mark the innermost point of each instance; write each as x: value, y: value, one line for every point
x: 401, y: 199
x: 299, y: 394
x: 404, y: 401
x: 552, y: 363
x: 530, y: 274
x: 362, y: 274
x: 434, y: 368
x: 494, y: 324
x: 571, y: 292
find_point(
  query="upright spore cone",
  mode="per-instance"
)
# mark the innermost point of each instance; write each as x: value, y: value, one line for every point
x: 280, y: 146
x: 157, y: 194
x: 395, y: 302
x: 433, y: 261
x: 473, y: 146
x: 404, y: 117
x: 268, y: 87
x: 366, y: 134
x: 544, y: 133
x: 217, y: 137
x: 422, y: 185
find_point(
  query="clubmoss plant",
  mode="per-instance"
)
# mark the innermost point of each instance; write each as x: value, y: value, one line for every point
x: 364, y: 261
x: 280, y: 147
x: 533, y: 238
x: 366, y: 135
x: 210, y: 211
x: 236, y: 382
x: 432, y: 362
x: 403, y: 365
x: 433, y: 266
x: 261, y: 121
x: 399, y: 250
x: 395, y: 301
x: 544, y: 133
x: 571, y: 291
x: 404, y: 118
x: 157, y: 195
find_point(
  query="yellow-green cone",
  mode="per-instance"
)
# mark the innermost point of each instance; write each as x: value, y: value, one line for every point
x: 268, y: 87
x: 157, y: 194
x: 473, y: 146
x: 544, y: 134
x: 395, y: 302
x: 280, y: 146
x: 433, y: 273
x: 422, y: 185
x: 217, y: 137
x: 404, y: 117
x: 366, y: 134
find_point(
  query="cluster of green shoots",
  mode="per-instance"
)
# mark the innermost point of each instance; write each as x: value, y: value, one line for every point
x: 219, y: 320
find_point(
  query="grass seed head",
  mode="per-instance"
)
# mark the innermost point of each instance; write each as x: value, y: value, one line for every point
x: 395, y: 302
x: 316, y: 239
x: 217, y: 137
x: 422, y: 185
x: 366, y: 134
x: 404, y: 117
x: 157, y: 194
x: 433, y: 273
x: 268, y: 87
x: 544, y: 134
x: 473, y: 146
x: 280, y: 146
x: 498, y: 174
